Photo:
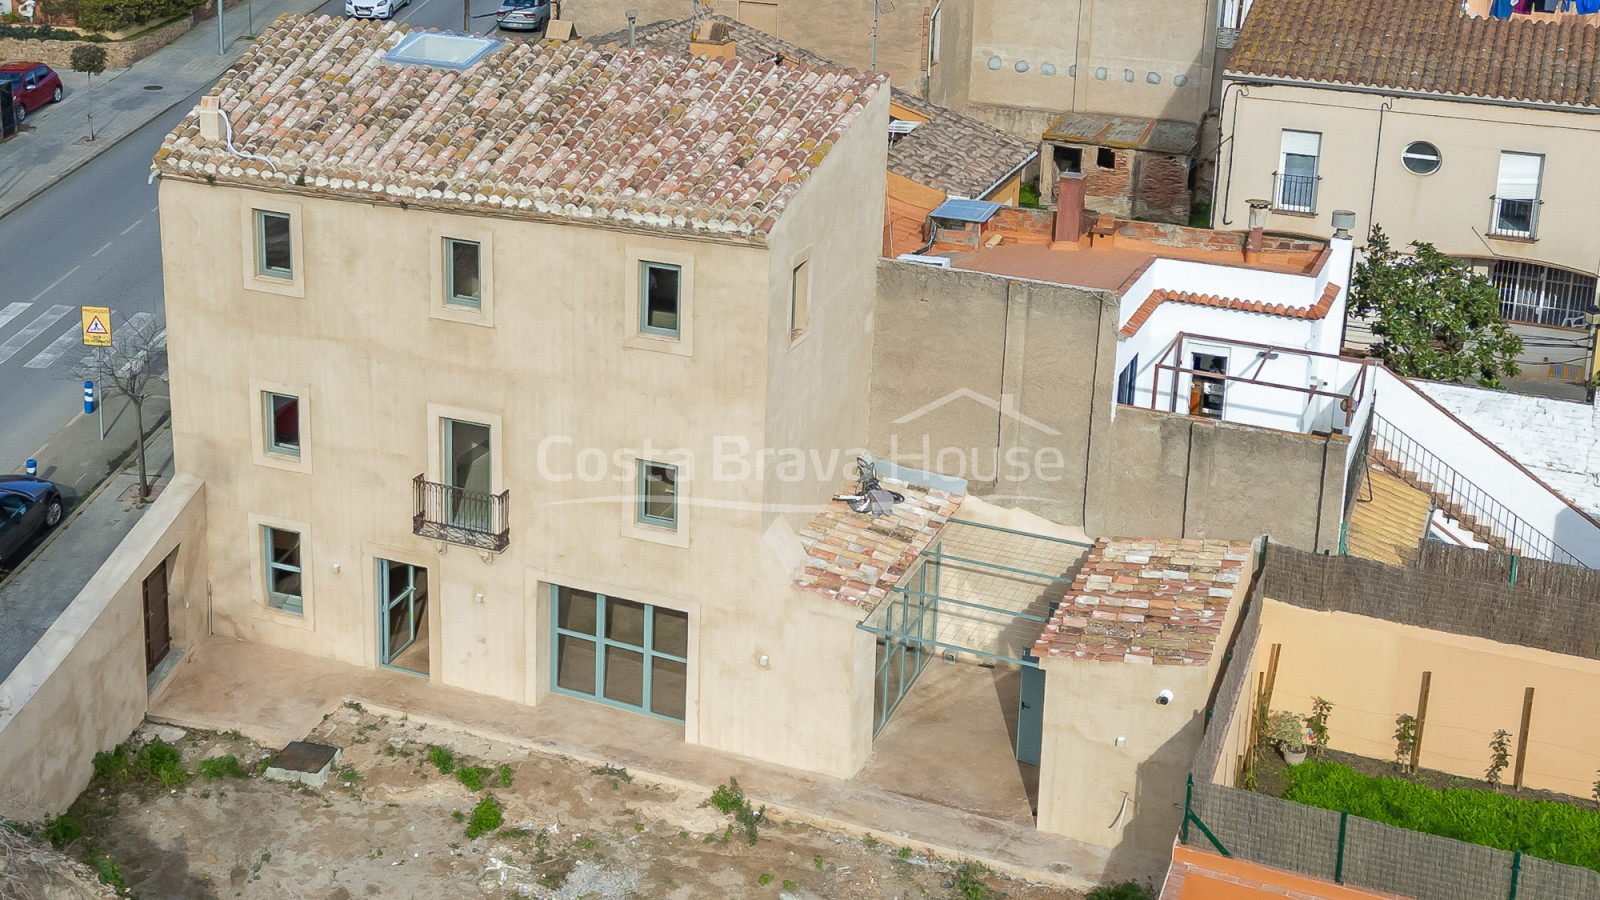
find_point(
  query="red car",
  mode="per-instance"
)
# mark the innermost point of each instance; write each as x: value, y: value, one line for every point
x: 32, y: 85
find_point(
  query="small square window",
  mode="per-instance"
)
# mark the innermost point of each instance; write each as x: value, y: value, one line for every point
x: 800, y: 299
x: 463, y: 273
x: 658, y: 494
x: 1105, y: 158
x: 273, y: 257
x: 659, y: 299
x: 283, y: 424
x: 284, y: 589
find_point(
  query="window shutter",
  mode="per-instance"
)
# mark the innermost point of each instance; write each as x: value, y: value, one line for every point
x: 1302, y: 143
x: 1519, y: 176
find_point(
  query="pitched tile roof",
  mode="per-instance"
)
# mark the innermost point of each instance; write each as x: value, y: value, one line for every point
x: 636, y: 137
x: 951, y: 152
x: 1421, y: 45
x: 1158, y: 297
x: 1147, y: 601
x: 1106, y: 130
x: 857, y: 558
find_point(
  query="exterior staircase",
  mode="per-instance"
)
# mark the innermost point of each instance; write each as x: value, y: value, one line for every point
x: 1389, y: 518
x: 1451, y: 508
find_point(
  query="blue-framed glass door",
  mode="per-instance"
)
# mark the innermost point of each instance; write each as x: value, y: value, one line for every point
x: 911, y: 619
x: 619, y: 652
x: 402, y: 615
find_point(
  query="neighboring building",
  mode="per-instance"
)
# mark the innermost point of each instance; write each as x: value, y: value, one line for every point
x: 484, y: 351
x: 1134, y: 168
x: 1440, y: 124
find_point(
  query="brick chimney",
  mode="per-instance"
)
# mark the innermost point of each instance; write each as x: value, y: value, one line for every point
x: 1069, y: 208
x: 1258, y: 223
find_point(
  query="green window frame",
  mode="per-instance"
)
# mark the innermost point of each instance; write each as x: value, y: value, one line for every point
x: 285, y: 587
x: 658, y: 494
x: 463, y: 273
x: 619, y: 652
x: 660, y: 299
x: 274, y: 244
x: 283, y: 423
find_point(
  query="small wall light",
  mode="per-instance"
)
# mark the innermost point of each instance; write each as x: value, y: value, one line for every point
x: 478, y: 597
x: 765, y: 661
x: 335, y: 568
x: 995, y: 62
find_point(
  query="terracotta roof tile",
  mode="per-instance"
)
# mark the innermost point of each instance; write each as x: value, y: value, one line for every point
x: 1158, y: 297
x: 858, y: 558
x: 1421, y: 45
x: 1147, y: 602
x: 634, y: 136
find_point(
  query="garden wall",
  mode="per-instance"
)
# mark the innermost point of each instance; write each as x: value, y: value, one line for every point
x: 119, y: 54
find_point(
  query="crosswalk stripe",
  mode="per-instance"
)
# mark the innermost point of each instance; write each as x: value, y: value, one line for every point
x: 13, y: 310
x: 57, y: 349
x: 134, y: 323
x: 35, y: 328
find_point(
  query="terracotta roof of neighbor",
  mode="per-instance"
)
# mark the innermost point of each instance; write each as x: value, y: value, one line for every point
x: 1421, y: 45
x: 857, y: 558
x: 1147, y: 601
x: 1105, y: 130
x: 550, y: 130
x: 1158, y: 297
x: 950, y: 152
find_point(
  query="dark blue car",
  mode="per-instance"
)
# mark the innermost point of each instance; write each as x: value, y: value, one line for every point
x: 28, y: 506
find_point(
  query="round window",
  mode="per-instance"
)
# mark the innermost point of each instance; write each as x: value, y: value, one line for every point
x: 1421, y: 157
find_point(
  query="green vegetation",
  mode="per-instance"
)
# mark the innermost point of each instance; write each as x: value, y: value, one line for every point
x: 113, y: 15
x: 486, y: 817
x: 350, y: 776
x: 1028, y: 196
x: 1554, y: 831
x: 61, y: 831
x: 1317, y: 725
x: 472, y: 776
x: 765, y: 879
x: 729, y: 799
x: 221, y: 767
x: 1200, y: 215
x: 967, y: 882
x: 615, y: 773
x: 789, y: 885
x: 1499, y: 756
x: 46, y: 33
x: 111, y: 874
x: 505, y: 775
x: 1126, y: 890
x: 1405, y: 740
x: 442, y: 758
x: 157, y: 762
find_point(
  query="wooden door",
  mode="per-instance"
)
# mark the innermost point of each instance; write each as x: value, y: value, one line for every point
x: 157, y: 636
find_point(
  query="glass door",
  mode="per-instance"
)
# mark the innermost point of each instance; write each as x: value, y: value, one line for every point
x: 468, y: 467
x: 403, y: 616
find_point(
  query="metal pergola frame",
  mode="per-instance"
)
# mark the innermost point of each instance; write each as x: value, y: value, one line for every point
x: 1175, y: 348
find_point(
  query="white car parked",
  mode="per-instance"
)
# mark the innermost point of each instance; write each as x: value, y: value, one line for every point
x: 373, y: 9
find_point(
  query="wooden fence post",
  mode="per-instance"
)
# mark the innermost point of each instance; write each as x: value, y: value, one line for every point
x: 1422, y: 718
x: 1522, y: 736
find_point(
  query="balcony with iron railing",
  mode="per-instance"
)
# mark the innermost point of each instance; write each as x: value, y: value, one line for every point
x: 472, y: 518
x: 1509, y: 218
x: 1294, y: 193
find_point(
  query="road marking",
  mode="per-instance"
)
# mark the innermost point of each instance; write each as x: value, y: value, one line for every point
x: 54, y: 283
x: 157, y: 341
x: 35, y: 328
x: 102, y: 249
x: 57, y: 349
x: 12, y: 311
x: 133, y: 226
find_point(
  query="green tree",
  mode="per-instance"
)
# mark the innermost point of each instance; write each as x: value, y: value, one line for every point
x: 1434, y: 318
x: 90, y: 59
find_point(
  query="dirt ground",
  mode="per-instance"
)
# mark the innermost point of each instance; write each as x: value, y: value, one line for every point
x: 391, y: 825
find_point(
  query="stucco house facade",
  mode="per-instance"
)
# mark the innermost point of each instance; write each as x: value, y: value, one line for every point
x: 485, y: 353
x: 1438, y: 123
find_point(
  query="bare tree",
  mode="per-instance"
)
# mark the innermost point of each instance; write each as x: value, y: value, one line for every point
x: 134, y: 366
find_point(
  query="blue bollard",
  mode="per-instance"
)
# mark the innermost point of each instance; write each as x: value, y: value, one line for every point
x: 88, y: 397
x: 33, y: 467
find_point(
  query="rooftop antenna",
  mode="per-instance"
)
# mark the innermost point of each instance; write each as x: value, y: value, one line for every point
x: 878, y: 7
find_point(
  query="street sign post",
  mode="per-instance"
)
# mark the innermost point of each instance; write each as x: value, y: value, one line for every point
x: 97, y: 333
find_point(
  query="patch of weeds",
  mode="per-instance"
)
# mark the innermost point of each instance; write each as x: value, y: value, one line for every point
x: 729, y: 799
x: 513, y: 834
x: 266, y: 856
x: 615, y: 773
x: 459, y: 816
x: 1126, y: 890
x: 817, y: 861
x: 905, y: 853
x: 61, y: 831
x: 584, y: 843
x: 374, y: 853
x: 350, y: 776
x: 505, y: 775
x: 442, y: 758
x: 111, y: 874
x: 765, y: 879
x: 221, y: 767
x: 163, y: 762
x: 870, y: 842
x: 234, y: 735
x: 486, y: 817
x: 351, y: 704
x: 789, y: 885
x: 472, y: 776
x: 967, y: 882
x: 205, y: 795
x: 638, y: 826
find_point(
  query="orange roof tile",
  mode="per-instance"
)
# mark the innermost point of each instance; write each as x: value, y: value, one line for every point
x: 1158, y: 297
x: 633, y: 136
x: 858, y: 558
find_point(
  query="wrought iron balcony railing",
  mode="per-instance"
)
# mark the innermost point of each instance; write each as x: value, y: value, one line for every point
x: 1514, y: 218
x: 1297, y: 193
x: 460, y: 516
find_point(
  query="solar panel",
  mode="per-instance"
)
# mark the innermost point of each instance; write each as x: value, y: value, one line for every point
x: 966, y: 210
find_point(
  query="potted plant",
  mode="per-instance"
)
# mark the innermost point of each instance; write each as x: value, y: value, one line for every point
x: 1287, y: 731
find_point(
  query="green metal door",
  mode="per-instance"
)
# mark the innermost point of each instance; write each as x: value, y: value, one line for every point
x: 1030, y: 714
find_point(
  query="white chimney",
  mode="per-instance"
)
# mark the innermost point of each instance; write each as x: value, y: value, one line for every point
x: 211, y: 118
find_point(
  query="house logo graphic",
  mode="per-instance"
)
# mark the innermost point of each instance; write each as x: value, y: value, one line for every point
x: 1005, y: 406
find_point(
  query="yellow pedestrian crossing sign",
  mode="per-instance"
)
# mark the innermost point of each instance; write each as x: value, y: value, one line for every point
x: 97, y: 326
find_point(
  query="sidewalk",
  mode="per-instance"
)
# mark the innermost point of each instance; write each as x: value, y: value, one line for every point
x: 48, y: 581
x: 54, y: 142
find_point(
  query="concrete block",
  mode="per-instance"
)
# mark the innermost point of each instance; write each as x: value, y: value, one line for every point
x: 304, y: 762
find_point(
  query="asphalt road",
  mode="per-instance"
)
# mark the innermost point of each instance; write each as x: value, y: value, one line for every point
x: 94, y: 240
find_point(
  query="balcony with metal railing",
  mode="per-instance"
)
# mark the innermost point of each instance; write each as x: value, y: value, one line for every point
x: 1295, y: 193
x: 1513, y: 218
x: 471, y: 518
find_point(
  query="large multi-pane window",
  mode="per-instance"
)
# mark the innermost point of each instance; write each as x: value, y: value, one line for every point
x: 284, y: 587
x: 620, y: 652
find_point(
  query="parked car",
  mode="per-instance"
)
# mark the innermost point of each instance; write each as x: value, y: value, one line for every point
x: 33, y: 84
x: 523, y: 15
x: 373, y: 9
x: 28, y: 506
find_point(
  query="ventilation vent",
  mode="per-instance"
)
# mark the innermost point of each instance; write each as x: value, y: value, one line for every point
x: 441, y: 50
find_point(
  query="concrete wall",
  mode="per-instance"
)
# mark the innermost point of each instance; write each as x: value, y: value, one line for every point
x: 1168, y: 474
x: 573, y: 394
x: 1371, y: 670
x: 81, y: 689
x: 1449, y: 208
